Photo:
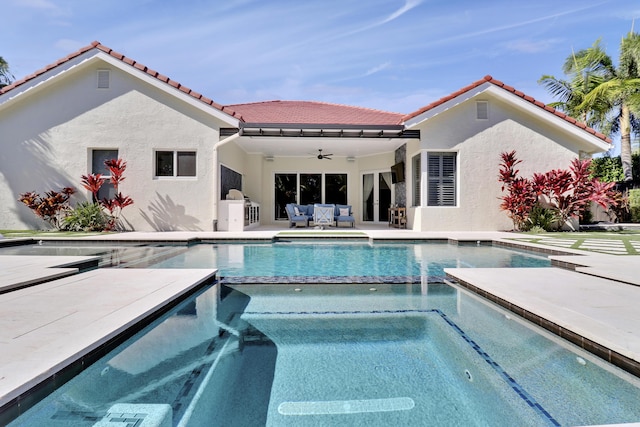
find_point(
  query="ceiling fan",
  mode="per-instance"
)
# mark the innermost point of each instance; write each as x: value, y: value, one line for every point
x: 321, y: 156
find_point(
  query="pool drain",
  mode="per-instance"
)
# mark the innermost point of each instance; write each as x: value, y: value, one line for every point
x: 468, y: 374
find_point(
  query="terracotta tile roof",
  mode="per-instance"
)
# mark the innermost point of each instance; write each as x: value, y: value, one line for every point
x: 300, y: 112
x: 126, y: 60
x: 311, y: 112
x: 498, y: 83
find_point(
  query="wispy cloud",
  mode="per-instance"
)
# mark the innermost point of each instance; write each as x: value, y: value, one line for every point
x: 49, y: 7
x: 531, y: 46
x: 37, y: 4
x: 408, y: 5
x: 377, y: 68
x: 500, y: 28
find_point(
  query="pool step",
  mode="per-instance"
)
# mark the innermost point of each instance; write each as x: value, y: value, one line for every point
x: 301, y: 280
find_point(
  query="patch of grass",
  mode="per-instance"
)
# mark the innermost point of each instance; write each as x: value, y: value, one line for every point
x: 628, y: 241
x: 12, y: 234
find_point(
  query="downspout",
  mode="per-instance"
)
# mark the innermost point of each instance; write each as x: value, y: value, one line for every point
x: 216, y: 175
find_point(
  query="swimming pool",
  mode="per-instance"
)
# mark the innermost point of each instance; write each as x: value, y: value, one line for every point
x: 304, y: 260
x: 376, y: 353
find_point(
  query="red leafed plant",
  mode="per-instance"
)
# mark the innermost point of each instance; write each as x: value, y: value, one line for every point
x: 117, y: 168
x: 54, y: 207
x: 93, y: 182
x: 114, y: 205
x: 520, y: 197
x: 51, y: 207
x: 565, y: 192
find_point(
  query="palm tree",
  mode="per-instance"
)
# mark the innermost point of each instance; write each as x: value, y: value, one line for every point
x: 586, y: 69
x: 602, y: 95
x: 5, y: 75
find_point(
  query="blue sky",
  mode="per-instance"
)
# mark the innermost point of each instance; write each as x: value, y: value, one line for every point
x: 394, y: 55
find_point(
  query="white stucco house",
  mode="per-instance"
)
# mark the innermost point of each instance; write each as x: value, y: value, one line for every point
x: 185, y: 152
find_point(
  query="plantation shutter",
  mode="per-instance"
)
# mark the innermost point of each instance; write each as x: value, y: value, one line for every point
x: 482, y: 110
x: 103, y: 79
x: 416, y: 180
x: 442, y: 179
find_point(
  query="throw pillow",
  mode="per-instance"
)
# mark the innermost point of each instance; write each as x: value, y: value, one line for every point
x: 344, y: 211
x: 296, y: 211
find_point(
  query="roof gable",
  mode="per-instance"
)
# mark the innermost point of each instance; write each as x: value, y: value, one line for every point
x: 125, y: 63
x: 489, y: 82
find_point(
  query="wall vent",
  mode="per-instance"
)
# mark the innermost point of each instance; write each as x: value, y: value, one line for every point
x: 482, y: 110
x: 103, y: 79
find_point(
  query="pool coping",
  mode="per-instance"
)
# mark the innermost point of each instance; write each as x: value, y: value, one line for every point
x: 568, y: 333
x: 100, y: 325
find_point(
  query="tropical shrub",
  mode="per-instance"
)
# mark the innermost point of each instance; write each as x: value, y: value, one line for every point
x: 99, y: 215
x: 520, y: 197
x: 607, y: 169
x: 565, y: 192
x: 541, y: 218
x: 87, y: 216
x: 51, y: 207
x: 93, y: 183
x: 634, y: 205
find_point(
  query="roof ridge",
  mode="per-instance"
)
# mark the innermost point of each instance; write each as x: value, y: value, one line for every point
x: 129, y: 61
x: 319, y: 102
x: 489, y: 79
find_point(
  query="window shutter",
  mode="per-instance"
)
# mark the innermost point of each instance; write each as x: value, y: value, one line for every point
x: 103, y: 79
x: 416, y: 180
x: 448, y: 196
x: 442, y: 179
x: 482, y: 110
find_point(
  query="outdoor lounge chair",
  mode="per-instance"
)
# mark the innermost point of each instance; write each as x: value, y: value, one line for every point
x: 343, y: 213
x: 323, y: 214
x: 295, y: 220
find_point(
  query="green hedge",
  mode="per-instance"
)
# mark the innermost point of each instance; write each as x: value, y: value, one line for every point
x: 634, y: 205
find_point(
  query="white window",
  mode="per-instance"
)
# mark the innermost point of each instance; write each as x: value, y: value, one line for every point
x: 175, y: 163
x: 441, y: 171
x: 98, y: 157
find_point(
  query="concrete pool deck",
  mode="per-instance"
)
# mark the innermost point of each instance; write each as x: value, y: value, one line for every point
x: 593, y: 297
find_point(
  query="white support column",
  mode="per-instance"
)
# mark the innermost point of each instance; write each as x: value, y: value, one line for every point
x: 216, y: 175
x: 424, y: 178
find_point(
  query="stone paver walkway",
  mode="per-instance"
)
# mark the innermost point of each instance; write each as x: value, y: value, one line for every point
x: 604, y: 246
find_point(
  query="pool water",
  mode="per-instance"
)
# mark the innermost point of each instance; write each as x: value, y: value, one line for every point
x: 375, y: 354
x: 299, y: 259
x: 311, y: 259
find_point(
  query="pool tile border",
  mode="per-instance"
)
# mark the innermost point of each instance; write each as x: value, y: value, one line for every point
x: 337, y: 280
x: 621, y: 361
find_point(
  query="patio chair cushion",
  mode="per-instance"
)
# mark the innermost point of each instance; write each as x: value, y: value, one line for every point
x: 290, y: 208
x: 343, y: 213
x: 340, y: 211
